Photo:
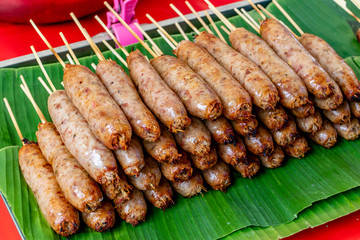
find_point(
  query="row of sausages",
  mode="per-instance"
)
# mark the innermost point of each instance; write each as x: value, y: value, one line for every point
x: 99, y: 111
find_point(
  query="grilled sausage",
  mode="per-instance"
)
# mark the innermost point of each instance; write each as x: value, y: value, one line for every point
x: 332, y: 102
x: 125, y: 187
x: 75, y: 132
x: 58, y: 212
x: 76, y: 184
x: 262, y: 91
x: 336, y: 67
x: 196, y: 138
x: 101, y: 219
x: 273, y: 119
x: 287, y: 134
x: 133, y: 211
x: 275, y: 159
x: 179, y: 170
x: 132, y: 159
x: 355, y: 109
x: 206, y: 161
x: 249, y: 166
x: 245, y: 127
x: 199, y: 99
x: 261, y: 143
x: 326, y: 136
x: 292, y: 91
x: 190, y: 187
x: 221, y: 130
x: 340, y: 115
x: 218, y: 177
x: 105, y: 118
x: 234, y: 153
x: 350, y: 130
x: 310, y: 124
x: 317, y: 81
x: 304, y: 110
x: 162, y: 196
x: 122, y: 89
x: 235, y: 100
x: 164, y: 148
x: 161, y: 100
x: 298, y: 148
x: 149, y: 176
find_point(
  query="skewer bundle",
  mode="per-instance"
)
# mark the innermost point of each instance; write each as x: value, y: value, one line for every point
x: 193, y: 116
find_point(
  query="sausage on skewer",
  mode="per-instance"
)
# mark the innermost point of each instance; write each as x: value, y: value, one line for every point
x: 234, y: 153
x: 273, y: 119
x: 206, y: 161
x: 162, y: 196
x: 262, y: 91
x: 221, y: 130
x: 298, y: 148
x: 76, y: 184
x: 275, y: 159
x: 102, y: 218
x: 326, y: 136
x: 235, y: 100
x: 340, y: 115
x: 287, y: 134
x: 123, y: 90
x: 218, y: 177
x: 105, y: 118
x: 261, y: 143
x: 245, y: 127
x: 199, y: 99
x: 133, y: 211
x: 161, y: 100
x: 249, y: 166
x: 310, y: 124
x: 149, y: 177
x: 39, y: 176
x: 179, y: 170
x: 190, y: 187
x: 196, y: 138
x: 95, y: 158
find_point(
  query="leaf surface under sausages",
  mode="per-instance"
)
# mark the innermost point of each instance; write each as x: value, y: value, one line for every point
x: 271, y: 201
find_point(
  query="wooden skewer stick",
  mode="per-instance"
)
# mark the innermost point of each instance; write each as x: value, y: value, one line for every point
x: 356, y: 3
x: 47, y: 43
x: 342, y: 4
x: 157, y: 49
x: 257, y: 10
x: 214, y: 26
x: 288, y: 17
x: 14, y: 120
x: 69, y: 48
x: 225, y: 30
x: 92, y: 65
x: 130, y: 30
x: 198, y: 17
x: 114, y: 52
x: 42, y: 68
x: 166, y: 39
x: 221, y: 16
x: 27, y: 92
x: 161, y: 29
x: 181, y: 31
x: 250, y: 18
x: 184, y: 18
x: 88, y: 38
x: 112, y: 35
x: 70, y: 59
x: 44, y: 85
x: 257, y: 29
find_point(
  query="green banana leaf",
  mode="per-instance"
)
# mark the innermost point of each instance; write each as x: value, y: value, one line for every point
x: 270, y: 201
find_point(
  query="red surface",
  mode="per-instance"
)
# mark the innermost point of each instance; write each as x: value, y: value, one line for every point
x: 15, y: 40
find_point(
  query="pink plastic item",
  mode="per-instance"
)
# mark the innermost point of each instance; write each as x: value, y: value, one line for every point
x: 127, y: 13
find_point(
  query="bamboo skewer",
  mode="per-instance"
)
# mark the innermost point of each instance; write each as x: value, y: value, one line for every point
x: 225, y: 30
x: 130, y: 30
x: 342, y: 4
x: 250, y: 18
x: 166, y: 39
x: 114, y: 52
x: 88, y: 38
x: 356, y: 3
x: 157, y: 49
x: 221, y: 16
x: 214, y: 26
x: 27, y: 92
x: 47, y: 43
x: 267, y: 12
x: 181, y: 31
x: 198, y: 17
x: 257, y: 29
x: 14, y: 120
x: 282, y: 10
x: 161, y: 29
x: 42, y: 68
x: 184, y: 18
x: 112, y: 36
x: 70, y: 59
x: 69, y: 48
x: 44, y: 85
x: 257, y: 10
x: 92, y: 65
